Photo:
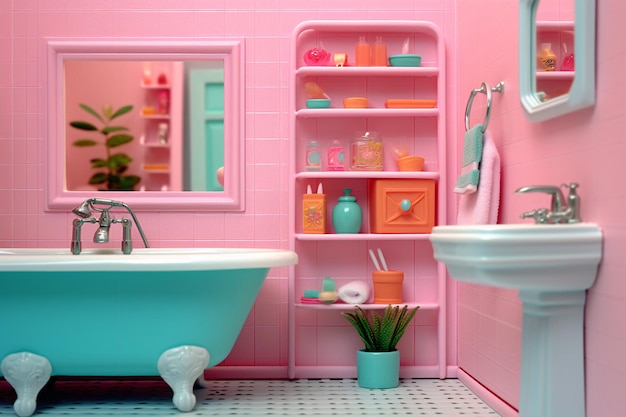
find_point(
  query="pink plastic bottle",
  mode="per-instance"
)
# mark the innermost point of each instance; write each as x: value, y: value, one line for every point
x: 163, y: 105
x: 335, y: 157
x: 568, y: 60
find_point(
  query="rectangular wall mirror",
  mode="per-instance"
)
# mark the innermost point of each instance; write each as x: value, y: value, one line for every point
x: 556, y: 57
x: 156, y: 124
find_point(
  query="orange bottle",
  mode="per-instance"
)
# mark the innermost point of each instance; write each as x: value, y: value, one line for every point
x: 379, y: 53
x: 314, y: 213
x: 362, y: 55
x: 546, y: 59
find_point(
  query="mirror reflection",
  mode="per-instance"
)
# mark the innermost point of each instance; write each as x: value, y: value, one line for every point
x: 554, y: 46
x: 144, y: 125
x: 553, y: 30
x: 161, y: 145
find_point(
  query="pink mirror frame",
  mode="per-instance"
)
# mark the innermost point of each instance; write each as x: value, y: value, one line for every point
x: 57, y: 50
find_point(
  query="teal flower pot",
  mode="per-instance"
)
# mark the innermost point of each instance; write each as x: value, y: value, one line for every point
x: 379, y: 370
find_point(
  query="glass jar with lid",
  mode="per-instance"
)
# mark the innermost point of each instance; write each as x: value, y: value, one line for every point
x: 366, y: 152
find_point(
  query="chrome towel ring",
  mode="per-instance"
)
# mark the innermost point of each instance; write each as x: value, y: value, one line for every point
x: 484, y: 89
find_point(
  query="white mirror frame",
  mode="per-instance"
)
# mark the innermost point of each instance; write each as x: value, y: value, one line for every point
x: 57, y: 50
x: 582, y: 91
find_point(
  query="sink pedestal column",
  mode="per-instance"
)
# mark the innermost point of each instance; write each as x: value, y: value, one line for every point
x: 553, y: 373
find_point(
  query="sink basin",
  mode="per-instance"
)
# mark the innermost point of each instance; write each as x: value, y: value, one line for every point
x: 551, y: 265
x: 522, y: 256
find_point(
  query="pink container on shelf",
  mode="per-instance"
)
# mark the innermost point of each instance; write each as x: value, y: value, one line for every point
x: 163, y: 102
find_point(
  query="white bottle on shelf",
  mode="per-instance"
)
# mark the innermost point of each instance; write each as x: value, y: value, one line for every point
x: 313, y: 158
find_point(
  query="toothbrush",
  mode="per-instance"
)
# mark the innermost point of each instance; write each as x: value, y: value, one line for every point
x: 382, y: 259
x: 374, y: 260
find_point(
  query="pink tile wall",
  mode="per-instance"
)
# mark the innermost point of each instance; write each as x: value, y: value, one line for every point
x: 267, y: 26
x: 587, y: 147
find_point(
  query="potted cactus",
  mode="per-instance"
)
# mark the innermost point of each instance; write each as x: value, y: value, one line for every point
x: 378, y: 365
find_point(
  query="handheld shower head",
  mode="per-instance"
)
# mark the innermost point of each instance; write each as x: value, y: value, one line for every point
x: 83, y: 211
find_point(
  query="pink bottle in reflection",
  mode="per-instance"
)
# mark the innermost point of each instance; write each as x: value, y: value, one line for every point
x: 163, y: 105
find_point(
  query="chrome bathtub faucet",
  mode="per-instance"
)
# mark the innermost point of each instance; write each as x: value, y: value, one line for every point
x: 561, y: 210
x: 84, y: 212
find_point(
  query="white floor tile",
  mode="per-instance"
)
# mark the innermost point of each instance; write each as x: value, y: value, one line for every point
x: 325, y: 397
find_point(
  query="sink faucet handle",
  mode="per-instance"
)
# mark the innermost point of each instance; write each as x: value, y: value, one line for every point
x: 540, y: 216
x: 573, y: 201
x: 571, y: 186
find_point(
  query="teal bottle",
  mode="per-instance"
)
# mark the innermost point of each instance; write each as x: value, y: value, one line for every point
x: 347, y: 214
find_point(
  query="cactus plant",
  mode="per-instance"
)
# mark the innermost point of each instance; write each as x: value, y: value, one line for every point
x: 381, y: 333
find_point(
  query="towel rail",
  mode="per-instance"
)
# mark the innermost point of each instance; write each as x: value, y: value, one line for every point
x: 484, y: 89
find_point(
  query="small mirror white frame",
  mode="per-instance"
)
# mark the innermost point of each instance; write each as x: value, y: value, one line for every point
x: 582, y: 91
x: 57, y: 50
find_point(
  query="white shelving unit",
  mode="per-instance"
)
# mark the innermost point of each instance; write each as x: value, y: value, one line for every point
x: 157, y: 161
x: 162, y: 162
x: 419, y: 131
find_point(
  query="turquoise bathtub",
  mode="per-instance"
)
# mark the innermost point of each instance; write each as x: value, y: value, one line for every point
x: 168, y: 312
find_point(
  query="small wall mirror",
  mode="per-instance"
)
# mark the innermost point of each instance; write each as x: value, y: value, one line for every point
x: 171, y: 111
x: 556, y: 57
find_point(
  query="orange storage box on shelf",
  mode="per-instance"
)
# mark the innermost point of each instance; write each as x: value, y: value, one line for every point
x: 402, y: 205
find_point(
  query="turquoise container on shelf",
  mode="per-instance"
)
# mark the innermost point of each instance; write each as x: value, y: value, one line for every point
x: 347, y: 215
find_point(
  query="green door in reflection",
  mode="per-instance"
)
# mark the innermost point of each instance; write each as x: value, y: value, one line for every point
x: 205, y: 129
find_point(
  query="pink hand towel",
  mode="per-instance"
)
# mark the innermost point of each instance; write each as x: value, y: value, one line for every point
x: 482, y: 206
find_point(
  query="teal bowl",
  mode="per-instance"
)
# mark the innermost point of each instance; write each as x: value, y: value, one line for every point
x: 405, y: 60
x: 317, y: 103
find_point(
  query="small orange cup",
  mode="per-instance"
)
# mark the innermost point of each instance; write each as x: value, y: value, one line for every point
x: 387, y: 287
x: 355, y: 103
x: 410, y: 163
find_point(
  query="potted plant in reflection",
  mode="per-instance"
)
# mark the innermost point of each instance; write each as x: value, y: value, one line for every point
x: 111, y: 168
x: 378, y: 365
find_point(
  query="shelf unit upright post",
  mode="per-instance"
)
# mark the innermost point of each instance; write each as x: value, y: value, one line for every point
x: 419, y: 131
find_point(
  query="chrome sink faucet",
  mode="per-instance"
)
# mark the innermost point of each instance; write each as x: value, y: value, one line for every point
x: 561, y: 210
x: 84, y: 212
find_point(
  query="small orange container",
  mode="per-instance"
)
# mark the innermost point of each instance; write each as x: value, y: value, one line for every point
x: 402, y: 205
x: 387, y: 286
x: 410, y: 163
x: 355, y: 103
x: 314, y: 213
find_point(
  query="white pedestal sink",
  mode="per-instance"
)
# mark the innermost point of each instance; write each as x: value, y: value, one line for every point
x: 551, y: 265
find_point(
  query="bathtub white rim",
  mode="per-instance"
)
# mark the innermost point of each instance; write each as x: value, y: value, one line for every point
x: 141, y: 259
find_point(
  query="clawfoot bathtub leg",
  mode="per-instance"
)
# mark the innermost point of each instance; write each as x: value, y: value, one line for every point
x: 180, y: 367
x: 27, y: 373
x: 201, y: 382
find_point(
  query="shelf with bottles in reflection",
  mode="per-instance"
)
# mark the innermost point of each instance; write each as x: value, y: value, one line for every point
x: 555, y: 58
